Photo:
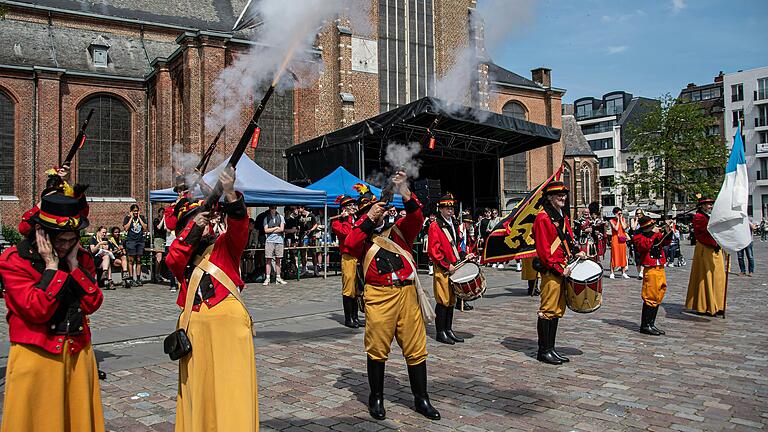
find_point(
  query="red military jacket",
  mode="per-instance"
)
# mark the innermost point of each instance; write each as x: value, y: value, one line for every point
x: 440, y: 250
x: 386, y: 263
x: 227, y: 251
x: 643, y: 243
x: 342, y: 227
x: 700, y: 232
x: 545, y: 233
x: 33, y: 294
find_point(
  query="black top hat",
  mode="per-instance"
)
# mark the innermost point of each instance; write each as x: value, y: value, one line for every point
x: 184, y: 210
x: 366, y: 199
x: 646, y: 222
x: 555, y: 187
x: 181, y: 184
x: 60, y: 213
x: 446, y: 200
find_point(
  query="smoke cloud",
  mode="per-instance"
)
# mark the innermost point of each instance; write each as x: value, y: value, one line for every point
x: 288, y: 30
x: 495, y: 22
x: 398, y: 157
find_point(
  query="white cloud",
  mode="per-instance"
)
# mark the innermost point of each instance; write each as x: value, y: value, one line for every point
x: 616, y: 49
x: 622, y: 18
x: 678, y: 5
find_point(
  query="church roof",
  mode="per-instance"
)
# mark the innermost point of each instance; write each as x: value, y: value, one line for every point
x: 573, y: 140
x: 499, y: 74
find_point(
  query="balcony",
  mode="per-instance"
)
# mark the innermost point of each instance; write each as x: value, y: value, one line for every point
x: 761, y: 178
x: 761, y: 122
x: 761, y: 96
x: 761, y: 149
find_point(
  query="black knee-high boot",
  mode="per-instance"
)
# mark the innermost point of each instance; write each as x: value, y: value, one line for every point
x: 354, y: 309
x: 553, y: 337
x: 376, y: 382
x: 449, y: 325
x: 417, y: 374
x: 654, y: 312
x: 545, y: 354
x: 645, y: 321
x: 347, y: 302
x: 440, y: 323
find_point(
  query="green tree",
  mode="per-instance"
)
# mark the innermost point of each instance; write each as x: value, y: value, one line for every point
x: 674, y: 153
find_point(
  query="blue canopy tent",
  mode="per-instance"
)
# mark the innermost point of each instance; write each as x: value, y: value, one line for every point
x: 340, y: 181
x: 257, y: 185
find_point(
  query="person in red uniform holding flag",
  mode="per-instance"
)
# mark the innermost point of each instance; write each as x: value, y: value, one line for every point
x: 395, y: 305
x: 217, y: 379
x: 706, y: 285
x: 342, y: 226
x: 649, y: 246
x: 555, y: 246
x: 444, y: 252
x: 51, y: 379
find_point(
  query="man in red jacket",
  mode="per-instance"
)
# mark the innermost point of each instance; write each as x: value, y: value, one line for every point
x: 392, y: 305
x: 217, y: 380
x: 706, y: 285
x: 51, y: 377
x: 445, y: 253
x: 342, y: 226
x: 649, y: 247
x: 555, y: 247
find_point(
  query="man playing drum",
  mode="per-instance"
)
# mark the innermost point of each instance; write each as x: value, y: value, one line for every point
x: 649, y: 245
x: 554, y: 247
x: 395, y: 305
x: 341, y: 227
x: 444, y: 236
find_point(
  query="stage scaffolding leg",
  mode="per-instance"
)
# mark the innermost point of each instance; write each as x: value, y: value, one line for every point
x: 325, y: 241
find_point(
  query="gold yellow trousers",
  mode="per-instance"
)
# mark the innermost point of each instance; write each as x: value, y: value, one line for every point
x: 348, y: 275
x: 552, y: 296
x: 217, y: 381
x: 528, y: 272
x: 706, y: 285
x: 393, y: 312
x: 51, y: 392
x: 654, y: 285
x: 441, y: 286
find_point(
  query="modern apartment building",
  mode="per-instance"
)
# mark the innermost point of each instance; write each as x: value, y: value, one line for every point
x: 603, y: 122
x: 746, y: 100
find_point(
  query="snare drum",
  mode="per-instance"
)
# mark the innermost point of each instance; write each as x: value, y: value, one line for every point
x: 468, y: 282
x: 584, y: 287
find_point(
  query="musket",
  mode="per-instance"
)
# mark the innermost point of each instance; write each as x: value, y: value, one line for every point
x: 213, y: 198
x: 79, y: 140
x: 203, y: 164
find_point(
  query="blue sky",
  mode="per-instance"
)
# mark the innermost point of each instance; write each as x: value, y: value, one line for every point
x: 647, y: 48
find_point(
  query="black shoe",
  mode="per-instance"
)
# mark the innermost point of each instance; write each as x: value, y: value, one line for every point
x: 645, y: 321
x: 376, y: 382
x: 652, y: 321
x: 449, y: 325
x: 553, y: 337
x: 128, y: 283
x: 545, y: 354
x: 347, y: 302
x: 467, y: 306
x: 440, y: 318
x: 102, y: 375
x: 418, y: 377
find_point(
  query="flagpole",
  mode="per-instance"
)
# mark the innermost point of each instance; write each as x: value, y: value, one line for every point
x: 727, y: 272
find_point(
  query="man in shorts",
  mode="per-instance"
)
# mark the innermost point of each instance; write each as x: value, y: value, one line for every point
x: 135, y: 225
x: 274, y: 226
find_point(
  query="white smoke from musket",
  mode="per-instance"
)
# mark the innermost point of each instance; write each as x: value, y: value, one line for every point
x: 288, y: 28
x: 398, y: 157
x: 494, y: 21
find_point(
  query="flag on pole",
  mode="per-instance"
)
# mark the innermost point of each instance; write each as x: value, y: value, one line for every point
x: 512, y: 238
x: 729, y: 221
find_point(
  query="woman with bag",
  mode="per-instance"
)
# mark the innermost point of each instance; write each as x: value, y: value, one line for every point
x: 51, y: 381
x: 619, y: 244
x: 214, y: 341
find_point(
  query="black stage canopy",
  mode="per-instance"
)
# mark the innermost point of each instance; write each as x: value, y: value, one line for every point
x: 469, y: 144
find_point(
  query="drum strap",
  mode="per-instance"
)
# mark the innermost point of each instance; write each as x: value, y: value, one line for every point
x: 384, y: 242
x: 453, y: 245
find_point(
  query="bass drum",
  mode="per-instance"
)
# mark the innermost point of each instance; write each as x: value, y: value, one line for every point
x: 467, y: 281
x: 584, y: 287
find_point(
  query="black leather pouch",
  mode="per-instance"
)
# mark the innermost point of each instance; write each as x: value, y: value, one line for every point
x: 177, y: 345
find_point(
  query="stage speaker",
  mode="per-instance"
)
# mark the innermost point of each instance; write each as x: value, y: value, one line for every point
x: 429, y: 192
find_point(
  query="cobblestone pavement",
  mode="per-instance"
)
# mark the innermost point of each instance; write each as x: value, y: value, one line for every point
x: 705, y: 374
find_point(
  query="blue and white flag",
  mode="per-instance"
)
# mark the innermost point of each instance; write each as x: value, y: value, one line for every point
x: 729, y: 222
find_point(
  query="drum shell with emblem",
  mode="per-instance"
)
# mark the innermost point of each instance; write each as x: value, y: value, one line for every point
x: 468, y: 281
x: 584, y: 286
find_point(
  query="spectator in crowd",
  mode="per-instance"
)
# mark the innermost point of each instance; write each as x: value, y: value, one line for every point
x: 102, y: 257
x: 170, y: 236
x: 763, y: 230
x: 744, y: 270
x: 425, y: 238
x: 274, y: 226
x: 118, y: 251
x: 492, y: 222
x: 483, y: 231
x: 291, y: 236
x: 619, y: 244
x: 159, y: 232
x: 391, y: 217
x: 135, y: 225
x: 307, y: 226
x: 249, y: 255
